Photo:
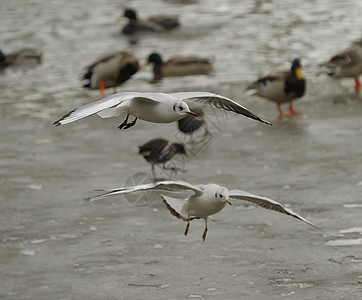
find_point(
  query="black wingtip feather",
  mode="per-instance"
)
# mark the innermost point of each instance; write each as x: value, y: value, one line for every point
x: 57, y: 122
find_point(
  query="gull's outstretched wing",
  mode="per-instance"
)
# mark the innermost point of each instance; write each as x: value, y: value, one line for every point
x: 174, y: 206
x: 106, y: 105
x: 218, y: 101
x: 162, y: 186
x: 267, y: 204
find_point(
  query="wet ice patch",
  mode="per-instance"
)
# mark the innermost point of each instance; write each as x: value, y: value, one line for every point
x: 351, y: 230
x: 352, y: 205
x: 299, y: 285
x: 38, y: 241
x: 43, y: 141
x: 345, y: 242
x: 35, y: 187
x: 29, y: 252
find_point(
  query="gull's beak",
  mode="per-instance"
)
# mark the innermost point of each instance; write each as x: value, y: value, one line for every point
x: 192, y: 113
x: 228, y: 201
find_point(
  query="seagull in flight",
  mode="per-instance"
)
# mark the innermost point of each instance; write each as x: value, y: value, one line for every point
x: 202, y: 201
x: 154, y: 107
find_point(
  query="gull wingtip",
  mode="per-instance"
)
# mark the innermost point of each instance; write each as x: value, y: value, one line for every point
x: 56, y: 123
x: 264, y: 121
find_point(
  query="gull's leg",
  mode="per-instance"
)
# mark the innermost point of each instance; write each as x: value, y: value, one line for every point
x: 358, y: 85
x: 205, y: 231
x: 292, y: 111
x: 124, y: 123
x: 131, y: 123
x: 102, y: 87
x: 114, y: 90
x: 187, y: 226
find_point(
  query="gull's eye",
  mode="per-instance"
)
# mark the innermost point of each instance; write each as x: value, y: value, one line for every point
x: 181, y: 108
x: 220, y: 196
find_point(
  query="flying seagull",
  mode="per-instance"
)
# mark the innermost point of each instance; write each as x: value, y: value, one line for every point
x: 205, y: 200
x: 154, y: 107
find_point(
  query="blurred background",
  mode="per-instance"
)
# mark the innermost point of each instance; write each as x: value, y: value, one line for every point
x: 53, y: 246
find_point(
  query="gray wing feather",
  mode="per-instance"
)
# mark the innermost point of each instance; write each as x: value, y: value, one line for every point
x: 162, y: 186
x: 218, y: 101
x: 267, y: 204
x: 103, y: 104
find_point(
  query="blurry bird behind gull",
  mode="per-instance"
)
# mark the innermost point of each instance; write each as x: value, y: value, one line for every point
x: 160, y: 151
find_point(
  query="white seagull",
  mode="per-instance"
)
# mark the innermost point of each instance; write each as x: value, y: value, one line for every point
x: 205, y: 200
x: 154, y: 107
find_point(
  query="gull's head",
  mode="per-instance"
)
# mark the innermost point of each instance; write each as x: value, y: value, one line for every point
x: 182, y: 109
x: 222, y: 195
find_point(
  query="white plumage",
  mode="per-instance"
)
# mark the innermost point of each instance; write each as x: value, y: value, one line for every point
x: 202, y: 201
x: 154, y: 107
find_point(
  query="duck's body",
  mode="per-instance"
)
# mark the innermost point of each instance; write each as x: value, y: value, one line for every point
x: 160, y: 151
x: 178, y: 66
x: 157, y: 23
x: 25, y: 57
x: 282, y: 87
x: 110, y: 70
x: 347, y: 63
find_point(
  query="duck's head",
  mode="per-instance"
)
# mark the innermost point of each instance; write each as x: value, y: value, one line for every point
x: 182, y: 109
x: 2, y: 56
x: 297, y: 68
x: 130, y: 13
x: 222, y: 194
x: 155, y: 58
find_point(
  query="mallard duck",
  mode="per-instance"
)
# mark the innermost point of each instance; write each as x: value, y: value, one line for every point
x: 160, y: 151
x: 152, y: 24
x: 178, y: 66
x: 282, y: 87
x: 25, y: 56
x: 347, y: 63
x: 110, y: 70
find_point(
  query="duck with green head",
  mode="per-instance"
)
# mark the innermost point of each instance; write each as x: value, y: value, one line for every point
x: 178, y: 66
x: 156, y: 23
x: 282, y: 87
